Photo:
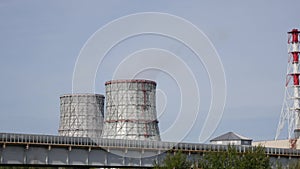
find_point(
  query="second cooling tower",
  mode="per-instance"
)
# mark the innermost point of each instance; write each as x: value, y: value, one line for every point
x: 81, y: 115
x: 131, y: 110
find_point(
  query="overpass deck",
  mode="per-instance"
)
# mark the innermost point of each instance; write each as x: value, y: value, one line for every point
x: 51, y: 140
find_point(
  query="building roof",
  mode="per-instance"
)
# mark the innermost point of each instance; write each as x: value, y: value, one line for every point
x: 230, y: 136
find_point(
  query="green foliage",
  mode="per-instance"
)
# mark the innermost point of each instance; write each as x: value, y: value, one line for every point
x: 25, y: 167
x: 40, y: 167
x: 220, y: 160
x: 231, y: 159
x: 295, y: 165
x: 278, y: 165
x: 256, y: 159
x: 177, y: 161
x: 252, y: 158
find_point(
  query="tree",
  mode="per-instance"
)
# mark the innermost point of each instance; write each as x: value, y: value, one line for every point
x: 253, y: 158
x: 256, y: 158
x: 177, y: 161
x: 294, y: 165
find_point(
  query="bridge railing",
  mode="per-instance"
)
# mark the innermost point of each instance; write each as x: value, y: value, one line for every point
x: 138, y: 144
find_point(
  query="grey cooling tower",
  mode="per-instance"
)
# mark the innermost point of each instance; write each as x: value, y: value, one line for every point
x: 81, y: 115
x: 131, y: 110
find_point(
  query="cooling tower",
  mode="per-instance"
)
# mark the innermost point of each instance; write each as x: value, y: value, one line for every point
x: 81, y: 115
x: 131, y: 110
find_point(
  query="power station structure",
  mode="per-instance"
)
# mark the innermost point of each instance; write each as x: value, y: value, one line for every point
x: 290, y: 112
x: 131, y: 110
x: 81, y: 115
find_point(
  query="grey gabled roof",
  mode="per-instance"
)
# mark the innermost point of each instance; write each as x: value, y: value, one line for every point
x: 230, y: 136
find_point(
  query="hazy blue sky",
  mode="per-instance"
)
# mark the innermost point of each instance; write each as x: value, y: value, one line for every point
x: 40, y: 42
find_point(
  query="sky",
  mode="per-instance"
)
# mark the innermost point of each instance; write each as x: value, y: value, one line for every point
x: 40, y: 42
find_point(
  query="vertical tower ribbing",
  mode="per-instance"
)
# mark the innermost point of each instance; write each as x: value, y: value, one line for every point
x: 81, y: 115
x: 131, y: 110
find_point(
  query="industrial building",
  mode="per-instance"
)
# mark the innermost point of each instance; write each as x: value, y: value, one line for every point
x: 130, y: 112
x: 232, y: 139
x: 288, y: 144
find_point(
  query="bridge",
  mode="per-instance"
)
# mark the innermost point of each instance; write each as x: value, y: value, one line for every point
x: 49, y: 150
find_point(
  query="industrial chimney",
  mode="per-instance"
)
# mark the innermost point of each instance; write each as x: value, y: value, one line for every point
x: 291, y: 105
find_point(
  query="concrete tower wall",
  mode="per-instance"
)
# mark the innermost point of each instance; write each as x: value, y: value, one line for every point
x: 131, y: 110
x: 81, y: 115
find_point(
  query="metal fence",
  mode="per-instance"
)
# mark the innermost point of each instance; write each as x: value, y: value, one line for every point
x: 7, y: 138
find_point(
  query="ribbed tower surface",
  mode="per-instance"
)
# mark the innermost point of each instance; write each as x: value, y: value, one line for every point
x: 81, y: 115
x: 131, y: 110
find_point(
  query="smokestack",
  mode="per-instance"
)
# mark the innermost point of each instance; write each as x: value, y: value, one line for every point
x: 291, y: 106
